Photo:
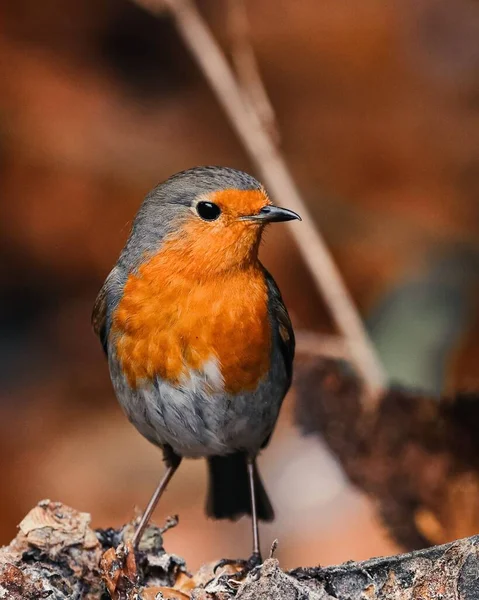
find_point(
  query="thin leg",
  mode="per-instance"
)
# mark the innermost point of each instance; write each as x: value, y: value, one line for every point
x: 255, y: 559
x: 153, y: 502
x: 254, y: 516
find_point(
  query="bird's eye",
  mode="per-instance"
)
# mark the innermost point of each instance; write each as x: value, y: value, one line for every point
x: 208, y: 211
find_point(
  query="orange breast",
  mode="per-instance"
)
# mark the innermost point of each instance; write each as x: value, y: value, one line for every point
x: 167, y: 324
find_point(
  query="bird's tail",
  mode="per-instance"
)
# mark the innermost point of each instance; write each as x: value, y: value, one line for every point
x: 229, y: 495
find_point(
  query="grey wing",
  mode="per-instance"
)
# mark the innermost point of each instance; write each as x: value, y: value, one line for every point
x: 102, y: 309
x: 283, y: 332
x: 282, y: 325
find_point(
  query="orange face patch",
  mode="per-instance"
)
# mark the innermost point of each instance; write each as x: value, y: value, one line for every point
x: 229, y: 243
x: 239, y: 203
x: 202, y: 296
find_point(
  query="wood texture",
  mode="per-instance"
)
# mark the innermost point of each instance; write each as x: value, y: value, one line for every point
x: 56, y: 555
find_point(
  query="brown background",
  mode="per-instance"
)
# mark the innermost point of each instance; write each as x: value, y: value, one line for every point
x: 378, y: 109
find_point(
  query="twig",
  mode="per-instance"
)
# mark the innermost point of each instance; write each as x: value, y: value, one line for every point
x: 272, y: 167
x: 327, y: 346
x: 246, y: 66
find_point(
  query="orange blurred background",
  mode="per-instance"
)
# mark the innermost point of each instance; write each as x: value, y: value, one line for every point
x: 378, y: 108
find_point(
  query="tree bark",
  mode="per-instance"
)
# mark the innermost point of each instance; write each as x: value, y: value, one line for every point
x: 56, y: 555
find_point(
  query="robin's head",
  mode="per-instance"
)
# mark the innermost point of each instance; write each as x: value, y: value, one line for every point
x: 206, y: 219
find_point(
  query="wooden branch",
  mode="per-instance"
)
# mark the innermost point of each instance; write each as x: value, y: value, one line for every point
x: 57, y: 556
x: 274, y: 172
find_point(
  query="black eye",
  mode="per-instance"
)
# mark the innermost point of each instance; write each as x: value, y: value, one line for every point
x: 208, y: 211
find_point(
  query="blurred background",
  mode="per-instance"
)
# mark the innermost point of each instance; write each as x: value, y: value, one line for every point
x: 378, y: 108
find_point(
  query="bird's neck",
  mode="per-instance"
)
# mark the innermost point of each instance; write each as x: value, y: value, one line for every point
x: 197, y: 262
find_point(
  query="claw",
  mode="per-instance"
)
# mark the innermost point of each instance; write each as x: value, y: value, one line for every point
x: 224, y: 562
x: 229, y: 582
x: 245, y: 566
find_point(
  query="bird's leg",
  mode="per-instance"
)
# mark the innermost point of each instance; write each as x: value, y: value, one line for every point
x: 255, y: 559
x: 173, y: 461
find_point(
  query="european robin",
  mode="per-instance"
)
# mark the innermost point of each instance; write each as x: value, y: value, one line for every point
x: 199, y: 343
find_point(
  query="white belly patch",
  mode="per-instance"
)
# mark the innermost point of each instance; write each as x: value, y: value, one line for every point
x: 197, y: 417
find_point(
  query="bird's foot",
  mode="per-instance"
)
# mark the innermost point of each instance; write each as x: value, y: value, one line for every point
x: 243, y: 566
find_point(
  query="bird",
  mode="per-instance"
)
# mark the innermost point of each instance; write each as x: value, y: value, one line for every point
x: 199, y: 342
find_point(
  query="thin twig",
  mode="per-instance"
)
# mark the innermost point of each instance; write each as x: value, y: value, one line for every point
x: 246, y: 66
x: 317, y: 344
x: 276, y: 175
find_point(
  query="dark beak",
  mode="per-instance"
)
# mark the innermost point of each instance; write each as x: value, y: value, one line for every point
x: 272, y: 214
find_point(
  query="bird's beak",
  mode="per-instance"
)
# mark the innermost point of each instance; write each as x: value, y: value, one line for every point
x: 272, y: 214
